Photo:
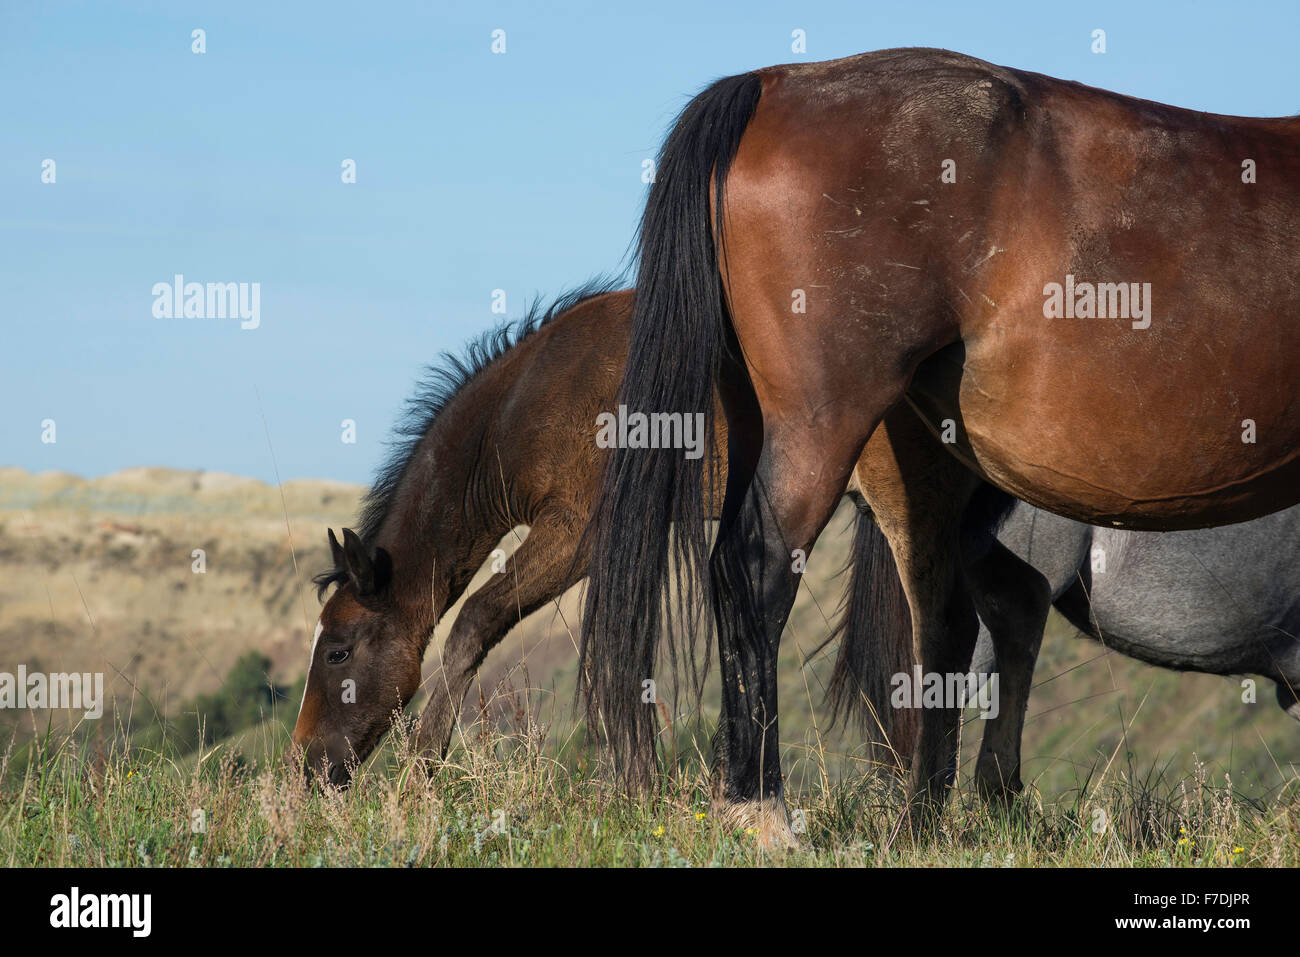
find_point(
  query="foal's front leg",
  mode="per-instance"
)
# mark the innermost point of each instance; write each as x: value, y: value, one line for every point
x: 540, y: 570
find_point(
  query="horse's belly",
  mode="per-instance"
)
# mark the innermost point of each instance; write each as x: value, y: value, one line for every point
x: 1081, y: 434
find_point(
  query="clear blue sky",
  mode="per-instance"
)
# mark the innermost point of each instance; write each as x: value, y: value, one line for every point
x: 475, y: 172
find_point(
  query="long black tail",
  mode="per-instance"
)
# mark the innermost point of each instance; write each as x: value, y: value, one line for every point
x: 875, y: 632
x: 647, y: 537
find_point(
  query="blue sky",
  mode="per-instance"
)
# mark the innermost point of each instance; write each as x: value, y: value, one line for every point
x: 475, y: 172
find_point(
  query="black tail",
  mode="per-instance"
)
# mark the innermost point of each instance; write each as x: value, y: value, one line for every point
x: 650, y: 512
x: 875, y: 632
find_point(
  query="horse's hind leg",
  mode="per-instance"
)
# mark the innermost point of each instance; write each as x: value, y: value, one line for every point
x: 540, y: 570
x: 800, y: 476
x: 1013, y: 600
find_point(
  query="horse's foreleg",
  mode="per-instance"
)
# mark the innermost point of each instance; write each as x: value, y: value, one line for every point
x: 540, y: 570
x: 1013, y: 600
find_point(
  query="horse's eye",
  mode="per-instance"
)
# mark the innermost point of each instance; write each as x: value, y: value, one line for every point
x: 337, y: 657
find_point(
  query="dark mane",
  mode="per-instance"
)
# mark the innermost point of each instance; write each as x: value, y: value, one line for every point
x: 441, y: 382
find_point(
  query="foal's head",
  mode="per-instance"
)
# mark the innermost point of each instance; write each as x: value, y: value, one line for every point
x: 365, y: 662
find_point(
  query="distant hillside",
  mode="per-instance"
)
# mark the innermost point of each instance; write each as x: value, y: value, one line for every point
x: 96, y: 575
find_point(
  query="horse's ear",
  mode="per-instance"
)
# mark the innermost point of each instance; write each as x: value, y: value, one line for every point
x: 383, y: 565
x: 370, y: 576
x: 357, y: 562
x: 336, y: 551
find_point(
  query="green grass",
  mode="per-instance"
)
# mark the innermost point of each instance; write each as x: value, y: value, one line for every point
x: 512, y: 799
x: 522, y: 788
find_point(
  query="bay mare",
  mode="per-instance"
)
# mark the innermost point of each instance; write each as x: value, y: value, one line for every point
x: 825, y: 242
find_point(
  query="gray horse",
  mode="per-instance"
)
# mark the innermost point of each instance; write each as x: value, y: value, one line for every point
x: 1219, y: 601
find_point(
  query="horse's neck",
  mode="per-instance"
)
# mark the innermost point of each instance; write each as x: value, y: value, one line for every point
x: 445, y: 528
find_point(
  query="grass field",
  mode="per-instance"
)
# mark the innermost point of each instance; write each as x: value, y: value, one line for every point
x: 508, y: 799
x: 1126, y: 765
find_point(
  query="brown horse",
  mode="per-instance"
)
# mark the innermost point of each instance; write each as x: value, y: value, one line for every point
x: 501, y: 439
x: 1090, y: 298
